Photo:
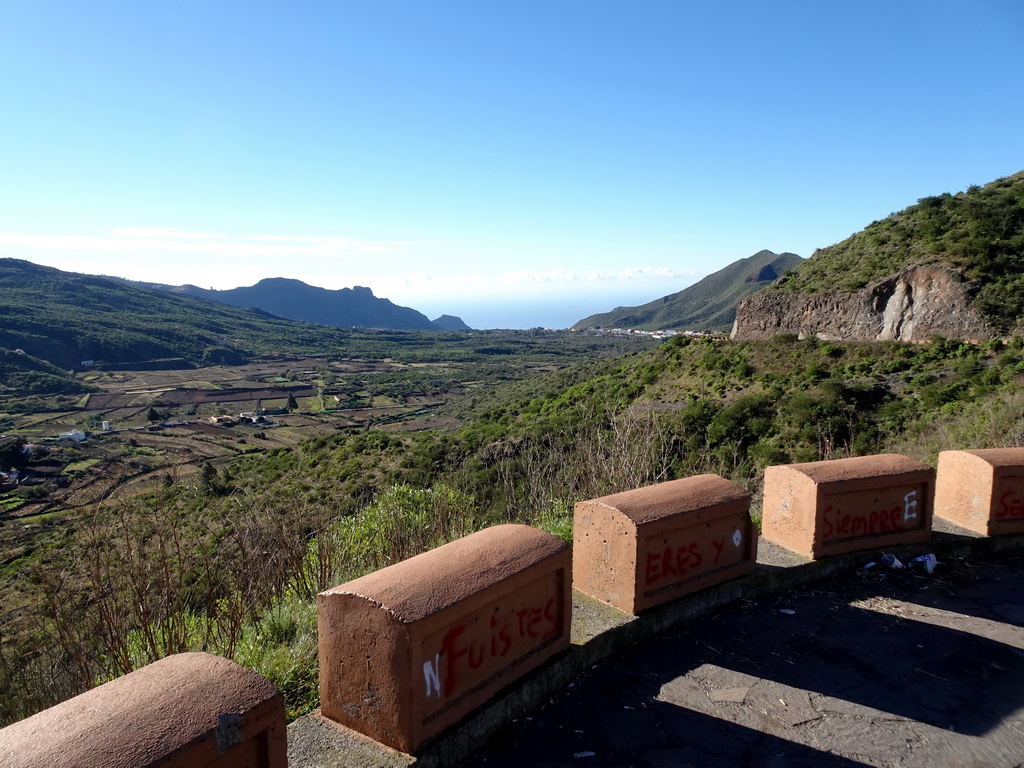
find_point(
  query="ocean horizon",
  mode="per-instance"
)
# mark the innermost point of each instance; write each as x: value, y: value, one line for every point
x: 553, y: 313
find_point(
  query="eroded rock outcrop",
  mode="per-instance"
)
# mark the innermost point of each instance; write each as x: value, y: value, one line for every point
x: 914, y: 305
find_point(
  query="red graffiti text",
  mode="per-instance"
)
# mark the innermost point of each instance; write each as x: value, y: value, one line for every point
x: 900, y: 517
x: 677, y: 561
x: 1010, y: 505
x: 465, y: 648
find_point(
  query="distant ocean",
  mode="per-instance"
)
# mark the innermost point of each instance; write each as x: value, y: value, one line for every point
x: 546, y: 313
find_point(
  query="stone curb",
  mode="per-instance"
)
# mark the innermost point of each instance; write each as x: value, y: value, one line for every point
x: 598, y: 631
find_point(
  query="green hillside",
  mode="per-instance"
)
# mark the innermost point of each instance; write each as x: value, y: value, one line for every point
x: 345, y: 308
x: 333, y: 507
x: 979, y: 232
x: 23, y: 374
x: 65, y: 318
x: 51, y: 322
x: 707, y: 305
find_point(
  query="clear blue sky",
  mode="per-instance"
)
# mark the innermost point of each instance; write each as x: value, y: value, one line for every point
x: 517, y: 164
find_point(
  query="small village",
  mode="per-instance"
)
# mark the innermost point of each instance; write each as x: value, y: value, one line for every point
x: 659, y: 335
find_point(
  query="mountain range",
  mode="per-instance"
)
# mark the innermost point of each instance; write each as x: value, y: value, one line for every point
x: 355, y: 307
x: 951, y: 266
x: 709, y: 304
x: 65, y: 318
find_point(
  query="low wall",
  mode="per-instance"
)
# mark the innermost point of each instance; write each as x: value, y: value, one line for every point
x: 598, y: 632
x: 192, y: 710
x: 638, y: 549
x: 408, y: 650
x: 434, y: 655
x: 831, y: 507
x: 983, y: 490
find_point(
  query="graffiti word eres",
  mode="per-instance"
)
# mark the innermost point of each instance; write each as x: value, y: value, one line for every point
x: 683, y: 560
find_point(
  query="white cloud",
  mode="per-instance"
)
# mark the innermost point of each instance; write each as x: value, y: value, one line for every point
x: 560, y: 275
x: 623, y: 286
x: 642, y: 273
x: 551, y: 276
x: 162, y: 232
x: 143, y: 239
x: 407, y: 272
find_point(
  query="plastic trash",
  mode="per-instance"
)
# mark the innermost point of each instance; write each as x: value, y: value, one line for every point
x: 928, y: 562
x: 891, y: 561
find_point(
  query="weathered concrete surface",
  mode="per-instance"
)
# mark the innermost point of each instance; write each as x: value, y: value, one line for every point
x: 599, y: 631
x: 982, y: 490
x: 848, y: 505
x: 641, y: 548
x: 190, y: 710
x: 316, y: 741
x: 876, y: 668
x: 409, y: 650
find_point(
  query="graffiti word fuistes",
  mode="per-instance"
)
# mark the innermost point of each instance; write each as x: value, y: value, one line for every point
x: 687, y: 558
x: 485, y: 642
x: 895, y: 519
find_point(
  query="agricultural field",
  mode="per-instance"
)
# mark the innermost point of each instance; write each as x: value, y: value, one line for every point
x: 163, y: 421
x: 159, y: 431
x: 147, y: 428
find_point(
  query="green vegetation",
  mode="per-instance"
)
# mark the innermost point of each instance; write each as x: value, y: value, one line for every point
x: 979, y: 233
x: 707, y: 305
x: 67, y: 318
x: 25, y: 376
x: 225, y: 545
x: 229, y: 558
x: 52, y: 322
x: 61, y: 319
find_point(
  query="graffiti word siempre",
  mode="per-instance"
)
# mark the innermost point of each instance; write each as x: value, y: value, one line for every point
x: 531, y: 624
x: 681, y: 560
x: 1010, y: 505
x: 892, y: 520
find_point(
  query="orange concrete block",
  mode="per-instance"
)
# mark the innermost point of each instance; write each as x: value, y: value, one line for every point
x: 191, y: 710
x: 983, y: 490
x: 409, y: 650
x: 642, y: 548
x: 847, y: 505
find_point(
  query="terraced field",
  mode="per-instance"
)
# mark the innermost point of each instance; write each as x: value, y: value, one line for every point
x: 137, y: 451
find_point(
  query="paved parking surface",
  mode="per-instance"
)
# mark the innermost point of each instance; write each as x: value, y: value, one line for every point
x: 875, y: 668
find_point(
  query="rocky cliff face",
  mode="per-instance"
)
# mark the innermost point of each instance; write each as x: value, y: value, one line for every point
x: 914, y: 305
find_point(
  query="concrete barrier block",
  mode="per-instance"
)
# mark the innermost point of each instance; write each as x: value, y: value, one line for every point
x: 982, y: 490
x: 830, y: 507
x: 191, y: 710
x: 409, y: 650
x: 641, y: 548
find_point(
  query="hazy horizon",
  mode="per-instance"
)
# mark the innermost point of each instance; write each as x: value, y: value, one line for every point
x: 469, y: 154
x: 553, y: 311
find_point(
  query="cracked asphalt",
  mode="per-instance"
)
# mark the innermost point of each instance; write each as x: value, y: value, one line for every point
x: 869, y: 668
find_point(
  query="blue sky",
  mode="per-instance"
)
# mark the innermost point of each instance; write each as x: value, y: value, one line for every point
x: 516, y: 164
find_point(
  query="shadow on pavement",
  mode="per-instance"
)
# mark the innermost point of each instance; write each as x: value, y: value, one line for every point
x: 899, y: 666
x: 848, y: 667
x: 659, y: 736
